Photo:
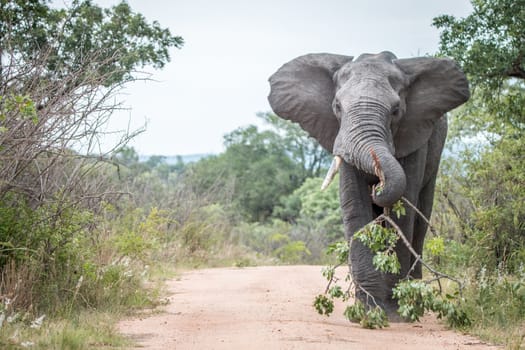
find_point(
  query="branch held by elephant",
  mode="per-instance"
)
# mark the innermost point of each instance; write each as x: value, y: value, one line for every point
x: 378, y: 188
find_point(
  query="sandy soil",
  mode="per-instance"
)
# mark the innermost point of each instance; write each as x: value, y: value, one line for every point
x: 271, y: 308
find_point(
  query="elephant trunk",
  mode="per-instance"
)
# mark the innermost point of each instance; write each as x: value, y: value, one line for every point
x: 392, y: 179
x: 365, y: 142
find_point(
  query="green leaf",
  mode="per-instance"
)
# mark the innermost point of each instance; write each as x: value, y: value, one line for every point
x: 387, y: 262
x: 340, y: 250
x: 399, y: 209
x: 323, y: 305
x: 328, y: 272
x: 355, y: 312
x: 336, y: 292
x: 377, y: 237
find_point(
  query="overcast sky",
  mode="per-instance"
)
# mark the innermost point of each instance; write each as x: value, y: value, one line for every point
x: 218, y: 81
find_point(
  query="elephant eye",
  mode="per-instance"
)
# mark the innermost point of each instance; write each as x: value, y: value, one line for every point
x: 395, y: 110
x: 337, y: 108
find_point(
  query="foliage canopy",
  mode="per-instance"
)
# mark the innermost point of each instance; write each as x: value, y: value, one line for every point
x: 73, y: 39
x: 490, y: 46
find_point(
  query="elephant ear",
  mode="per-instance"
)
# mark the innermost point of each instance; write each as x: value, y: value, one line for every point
x: 302, y: 91
x: 437, y: 85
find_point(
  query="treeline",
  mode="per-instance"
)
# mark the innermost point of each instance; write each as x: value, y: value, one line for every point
x: 264, y: 187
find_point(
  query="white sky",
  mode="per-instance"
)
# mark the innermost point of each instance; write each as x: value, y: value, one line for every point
x: 218, y: 81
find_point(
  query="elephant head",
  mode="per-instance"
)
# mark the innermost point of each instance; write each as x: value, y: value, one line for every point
x: 370, y: 111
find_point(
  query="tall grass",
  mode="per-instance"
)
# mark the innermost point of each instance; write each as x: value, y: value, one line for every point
x: 494, y: 298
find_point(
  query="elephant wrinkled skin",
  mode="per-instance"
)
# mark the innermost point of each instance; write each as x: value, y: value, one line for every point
x: 382, y: 107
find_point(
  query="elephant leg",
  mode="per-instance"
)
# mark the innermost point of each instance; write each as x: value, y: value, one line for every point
x: 426, y: 199
x: 414, y: 167
x: 357, y: 210
x: 426, y: 196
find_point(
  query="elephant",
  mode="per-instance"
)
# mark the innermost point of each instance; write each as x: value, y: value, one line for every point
x: 384, y: 120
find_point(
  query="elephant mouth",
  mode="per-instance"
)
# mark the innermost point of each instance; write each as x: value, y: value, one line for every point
x: 377, y: 188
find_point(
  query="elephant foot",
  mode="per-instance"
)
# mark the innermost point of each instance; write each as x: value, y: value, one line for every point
x: 391, y: 312
x: 390, y: 307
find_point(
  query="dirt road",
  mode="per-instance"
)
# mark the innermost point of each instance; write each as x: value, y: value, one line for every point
x: 271, y: 308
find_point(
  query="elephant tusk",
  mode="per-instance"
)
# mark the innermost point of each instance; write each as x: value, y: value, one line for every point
x: 334, y: 168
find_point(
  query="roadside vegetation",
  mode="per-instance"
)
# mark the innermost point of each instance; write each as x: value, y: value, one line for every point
x: 88, y: 236
x: 480, y: 211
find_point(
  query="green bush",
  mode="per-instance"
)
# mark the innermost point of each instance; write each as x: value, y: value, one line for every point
x: 66, y: 261
x: 206, y: 230
x: 495, y: 301
x: 274, y: 239
x: 292, y: 252
x: 434, y: 249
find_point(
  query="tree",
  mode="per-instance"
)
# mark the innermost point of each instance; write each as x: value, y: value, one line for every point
x: 127, y: 156
x: 301, y: 147
x: 489, y: 42
x: 263, y: 166
x: 267, y: 165
x: 60, y: 71
x: 258, y: 166
x: 490, y: 46
x: 315, y: 214
x: 117, y: 39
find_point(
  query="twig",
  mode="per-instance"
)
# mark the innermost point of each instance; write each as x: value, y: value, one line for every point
x: 421, y: 215
x: 368, y: 295
x: 333, y: 279
x: 436, y: 273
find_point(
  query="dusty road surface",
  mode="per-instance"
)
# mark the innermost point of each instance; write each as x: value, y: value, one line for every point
x: 271, y: 308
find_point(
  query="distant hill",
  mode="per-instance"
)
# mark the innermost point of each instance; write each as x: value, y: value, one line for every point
x: 189, y: 158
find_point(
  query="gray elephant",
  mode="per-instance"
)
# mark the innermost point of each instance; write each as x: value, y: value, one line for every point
x: 383, y: 119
